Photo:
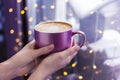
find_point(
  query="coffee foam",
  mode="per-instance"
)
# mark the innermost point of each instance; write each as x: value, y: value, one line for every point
x: 53, y: 27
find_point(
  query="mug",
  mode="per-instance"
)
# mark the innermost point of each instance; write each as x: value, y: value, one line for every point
x: 58, y: 33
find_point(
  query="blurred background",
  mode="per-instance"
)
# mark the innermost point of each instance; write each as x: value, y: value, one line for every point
x: 99, y: 59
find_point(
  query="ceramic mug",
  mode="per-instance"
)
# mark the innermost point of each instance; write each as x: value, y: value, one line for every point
x: 58, y: 33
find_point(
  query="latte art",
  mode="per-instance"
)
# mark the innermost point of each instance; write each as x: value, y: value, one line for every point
x: 52, y: 27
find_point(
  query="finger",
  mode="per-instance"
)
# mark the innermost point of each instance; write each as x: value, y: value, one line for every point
x: 31, y: 44
x: 26, y: 57
x: 71, y: 50
x: 68, y: 54
x: 37, y: 61
x: 74, y: 42
x: 71, y: 57
x: 42, y: 51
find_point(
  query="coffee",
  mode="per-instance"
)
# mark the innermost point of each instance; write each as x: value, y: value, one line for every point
x: 53, y: 27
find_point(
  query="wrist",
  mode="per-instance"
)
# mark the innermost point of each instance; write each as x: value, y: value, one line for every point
x: 7, y: 72
x: 41, y: 73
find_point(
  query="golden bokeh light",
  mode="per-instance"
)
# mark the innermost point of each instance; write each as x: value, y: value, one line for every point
x: 65, y: 73
x: 22, y: 12
x: 17, y: 40
x: 94, y: 67
x: 30, y: 19
x: 29, y: 32
x: 80, y: 77
x: 10, y: 10
x: 12, y: 31
x: 91, y: 51
x: 74, y: 64
x: 35, y: 5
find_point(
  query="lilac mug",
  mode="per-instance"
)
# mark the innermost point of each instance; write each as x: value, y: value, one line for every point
x: 47, y: 33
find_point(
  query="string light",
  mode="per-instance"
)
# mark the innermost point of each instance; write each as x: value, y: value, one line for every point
x: 22, y: 12
x: 91, y: 51
x: 19, y: 21
x: 19, y: 1
x: 10, y: 10
x: 57, y: 77
x: 80, y: 77
x: 30, y: 19
x: 92, y: 12
x: 35, y: 5
x: 44, y: 18
x: 100, y: 31
x: 74, y: 64
x: 66, y: 1
x: 108, y: 64
x: 20, y: 33
x: 112, y: 22
x: 98, y: 72
x: 29, y: 32
x: 20, y: 44
x: 70, y: 14
x: 43, y: 6
x: 85, y: 67
x: 26, y: 74
x: 52, y: 6
x: 26, y: 8
x: 17, y: 40
x: 12, y: 31
x: 94, y: 67
x: 16, y: 48
x: 65, y: 73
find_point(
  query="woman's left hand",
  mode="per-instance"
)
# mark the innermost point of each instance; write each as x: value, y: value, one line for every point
x: 22, y: 62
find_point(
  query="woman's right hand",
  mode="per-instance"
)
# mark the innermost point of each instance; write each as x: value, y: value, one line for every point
x: 54, y: 62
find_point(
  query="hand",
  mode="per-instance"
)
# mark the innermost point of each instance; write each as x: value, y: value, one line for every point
x: 22, y: 62
x: 54, y: 62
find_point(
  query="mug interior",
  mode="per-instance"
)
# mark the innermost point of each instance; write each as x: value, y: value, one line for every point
x: 64, y: 26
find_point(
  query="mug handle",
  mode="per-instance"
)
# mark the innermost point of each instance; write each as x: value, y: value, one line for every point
x: 82, y: 34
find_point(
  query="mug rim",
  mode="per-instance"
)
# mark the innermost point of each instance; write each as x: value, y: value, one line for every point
x: 47, y: 22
